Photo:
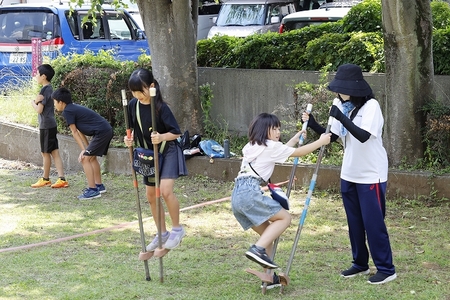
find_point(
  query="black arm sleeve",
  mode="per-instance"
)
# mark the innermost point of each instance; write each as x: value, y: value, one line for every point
x: 314, y: 125
x: 360, y: 134
x: 319, y: 129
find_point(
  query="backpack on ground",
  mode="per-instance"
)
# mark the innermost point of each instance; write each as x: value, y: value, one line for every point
x: 190, y: 145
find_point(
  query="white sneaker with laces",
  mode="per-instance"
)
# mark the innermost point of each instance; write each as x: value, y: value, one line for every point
x: 154, y: 244
x: 175, y: 238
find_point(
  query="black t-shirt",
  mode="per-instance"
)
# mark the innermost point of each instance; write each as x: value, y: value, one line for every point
x: 165, y: 122
x: 47, y: 117
x: 88, y: 122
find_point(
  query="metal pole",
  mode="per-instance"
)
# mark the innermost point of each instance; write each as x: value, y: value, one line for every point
x: 136, y: 187
x: 300, y: 142
x: 289, y: 188
x: 152, y: 91
x: 305, y: 208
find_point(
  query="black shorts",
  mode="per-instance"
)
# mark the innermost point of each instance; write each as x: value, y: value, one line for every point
x: 99, y: 144
x: 48, y: 140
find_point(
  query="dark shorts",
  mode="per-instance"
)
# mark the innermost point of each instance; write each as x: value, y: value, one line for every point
x: 99, y: 144
x: 174, y: 164
x: 48, y: 140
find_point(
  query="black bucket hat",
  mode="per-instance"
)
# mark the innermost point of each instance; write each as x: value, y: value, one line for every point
x: 349, y: 80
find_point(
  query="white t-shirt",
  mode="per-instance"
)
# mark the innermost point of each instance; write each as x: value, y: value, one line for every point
x: 364, y: 162
x: 263, y: 158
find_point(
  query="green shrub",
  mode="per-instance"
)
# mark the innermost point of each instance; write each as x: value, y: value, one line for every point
x: 436, y: 137
x: 321, y: 98
x: 440, y: 11
x: 364, y: 49
x: 365, y: 17
x: 441, y: 48
x: 357, y: 38
x: 309, y: 48
x: 96, y: 81
x: 214, y: 52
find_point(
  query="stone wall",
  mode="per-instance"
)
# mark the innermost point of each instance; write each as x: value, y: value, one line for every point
x: 241, y: 94
x: 18, y: 142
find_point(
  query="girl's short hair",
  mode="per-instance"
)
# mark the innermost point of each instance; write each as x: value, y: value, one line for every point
x: 258, y: 131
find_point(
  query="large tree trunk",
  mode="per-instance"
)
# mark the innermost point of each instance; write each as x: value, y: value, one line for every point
x: 409, y: 76
x: 171, y: 30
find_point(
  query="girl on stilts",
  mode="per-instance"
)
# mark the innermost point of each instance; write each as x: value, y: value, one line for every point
x: 139, y: 115
x: 250, y: 206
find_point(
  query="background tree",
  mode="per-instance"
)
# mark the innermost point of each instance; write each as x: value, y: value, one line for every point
x: 407, y: 30
x: 407, y: 34
x: 171, y: 29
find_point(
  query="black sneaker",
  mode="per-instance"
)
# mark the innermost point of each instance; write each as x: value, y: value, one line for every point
x: 352, y: 272
x: 274, y: 284
x: 381, y: 278
x: 260, y: 257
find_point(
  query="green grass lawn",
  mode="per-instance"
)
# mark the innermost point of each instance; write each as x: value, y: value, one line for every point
x: 210, y: 262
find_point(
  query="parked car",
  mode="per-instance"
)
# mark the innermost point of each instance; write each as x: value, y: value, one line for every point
x: 61, y: 31
x: 305, y: 18
x: 207, y: 11
x: 242, y: 18
x: 341, y: 3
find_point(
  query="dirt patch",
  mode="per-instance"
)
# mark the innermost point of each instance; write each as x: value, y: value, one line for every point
x: 17, y: 165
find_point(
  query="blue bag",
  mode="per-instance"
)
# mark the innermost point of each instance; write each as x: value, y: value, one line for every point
x: 278, y: 195
x: 212, y: 148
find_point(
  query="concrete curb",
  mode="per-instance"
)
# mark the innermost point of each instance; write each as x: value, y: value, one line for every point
x: 21, y: 142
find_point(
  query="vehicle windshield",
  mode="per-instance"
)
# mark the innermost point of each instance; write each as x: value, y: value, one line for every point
x: 241, y: 15
x: 22, y: 26
x: 292, y: 25
x: 348, y: 3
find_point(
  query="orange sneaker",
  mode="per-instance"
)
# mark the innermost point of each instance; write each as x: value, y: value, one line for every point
x: 41, y: 182
x: 60, y: 184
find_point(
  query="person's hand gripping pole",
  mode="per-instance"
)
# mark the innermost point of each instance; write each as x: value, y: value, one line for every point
x: 305, y: 124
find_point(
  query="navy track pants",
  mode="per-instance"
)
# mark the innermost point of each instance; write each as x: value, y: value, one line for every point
x: 365, y: 206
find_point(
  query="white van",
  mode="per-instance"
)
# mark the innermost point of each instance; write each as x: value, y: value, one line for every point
x: 207, y: 11
x: 305, y: 18
x: 241, y: 18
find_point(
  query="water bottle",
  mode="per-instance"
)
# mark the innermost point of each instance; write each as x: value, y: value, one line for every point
x: 226, y: 147
x: 49, y: 35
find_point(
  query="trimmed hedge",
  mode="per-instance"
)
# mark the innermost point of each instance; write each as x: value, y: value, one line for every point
x: 96, y: 81
x: 357, y: 38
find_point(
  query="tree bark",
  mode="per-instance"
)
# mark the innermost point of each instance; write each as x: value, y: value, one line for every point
x: 171, y: 29
x: 407, y: 29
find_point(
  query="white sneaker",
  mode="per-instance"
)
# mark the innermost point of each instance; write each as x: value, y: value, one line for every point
x: 154, y: 244
x: 175, y: 239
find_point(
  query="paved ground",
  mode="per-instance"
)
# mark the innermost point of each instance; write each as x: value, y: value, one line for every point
x: 17, y: 165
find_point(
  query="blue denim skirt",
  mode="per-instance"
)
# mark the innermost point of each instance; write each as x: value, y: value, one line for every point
x: 249, y: 204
